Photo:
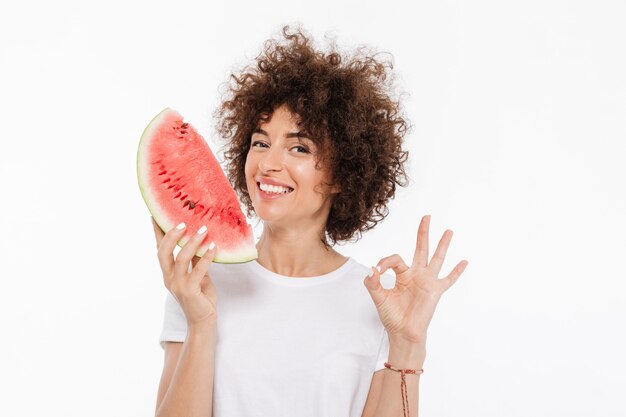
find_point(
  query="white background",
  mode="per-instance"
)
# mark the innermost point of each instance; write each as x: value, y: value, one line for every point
x: 518, y: 147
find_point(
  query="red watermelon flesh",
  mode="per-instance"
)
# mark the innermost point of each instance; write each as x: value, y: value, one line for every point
x: 181, y: 181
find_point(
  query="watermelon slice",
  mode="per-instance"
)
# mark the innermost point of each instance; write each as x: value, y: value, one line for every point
x: 181, y: 181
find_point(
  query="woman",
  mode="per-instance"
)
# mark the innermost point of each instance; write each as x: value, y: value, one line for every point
x: 314, y: 150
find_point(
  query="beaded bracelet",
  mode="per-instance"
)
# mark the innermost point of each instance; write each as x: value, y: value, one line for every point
x: 405, y: 400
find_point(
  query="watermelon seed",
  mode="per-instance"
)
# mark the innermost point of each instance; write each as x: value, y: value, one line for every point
x: 183, y: 131
x: 167, y: 180
x: 190, y: 203
x: 170, y: 186
x: 184, y: 125
x: 162, y: 172
x: 176, y: 196
x: 183, y: 197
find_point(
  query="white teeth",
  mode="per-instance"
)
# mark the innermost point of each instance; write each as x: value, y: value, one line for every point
x: 274, y: 189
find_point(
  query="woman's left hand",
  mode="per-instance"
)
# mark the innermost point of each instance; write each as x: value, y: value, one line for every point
x: 407, y: 309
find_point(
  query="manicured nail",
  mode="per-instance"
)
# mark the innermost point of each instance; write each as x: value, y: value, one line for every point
x: 371, y: 274
x: 202, y: 230
x: 211, y: 245
x: 379, y: 268
x: 180, y: 226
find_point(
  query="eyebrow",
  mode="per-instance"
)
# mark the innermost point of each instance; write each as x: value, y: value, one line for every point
x: 288, y: 135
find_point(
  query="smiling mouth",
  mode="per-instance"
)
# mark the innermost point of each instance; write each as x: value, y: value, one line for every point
x: 258, y: 186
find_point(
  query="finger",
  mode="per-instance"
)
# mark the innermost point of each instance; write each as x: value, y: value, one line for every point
x: 194, y: 261
x: 420, y: 258
x: 166, y: 249
x: 181, y: 267
x: 395, y: 262
x: 201, y: 267
x: 158, y: 233
x: 440, y: 253
x: 455, y: 274
x: 374, y: 287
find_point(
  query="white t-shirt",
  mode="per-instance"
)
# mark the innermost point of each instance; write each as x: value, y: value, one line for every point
x: 288, y: 346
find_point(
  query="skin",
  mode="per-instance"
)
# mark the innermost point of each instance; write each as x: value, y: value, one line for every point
x: 407, y: 309
x: 293, y: 224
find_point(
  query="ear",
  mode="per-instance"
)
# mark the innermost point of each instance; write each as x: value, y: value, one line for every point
x: 333, y: 187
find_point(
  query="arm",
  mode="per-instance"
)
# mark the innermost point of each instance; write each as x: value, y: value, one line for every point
x: 171, y: 357
x: 374, y: 394
x: 390, y: 400
x: 406, y: 311
x: 190, y: 391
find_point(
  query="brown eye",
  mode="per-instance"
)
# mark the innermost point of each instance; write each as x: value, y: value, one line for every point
x: 304, y: 150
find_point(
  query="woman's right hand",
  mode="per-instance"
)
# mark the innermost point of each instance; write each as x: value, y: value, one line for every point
x: 193, y: 290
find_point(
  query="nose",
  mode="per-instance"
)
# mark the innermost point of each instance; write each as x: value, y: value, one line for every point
x: 272, y: 159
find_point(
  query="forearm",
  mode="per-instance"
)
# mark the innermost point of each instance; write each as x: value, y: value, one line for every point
x: 190, y: 393
x: 401, y: 356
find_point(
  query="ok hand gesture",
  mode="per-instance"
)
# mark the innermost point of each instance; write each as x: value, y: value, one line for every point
x: 407, y: 309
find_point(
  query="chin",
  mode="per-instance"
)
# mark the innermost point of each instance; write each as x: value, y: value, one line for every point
x: 266, y: 215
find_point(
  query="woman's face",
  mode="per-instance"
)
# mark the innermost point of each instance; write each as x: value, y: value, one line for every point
x: 278, y: 156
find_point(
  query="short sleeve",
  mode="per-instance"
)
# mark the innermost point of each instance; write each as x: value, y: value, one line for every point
x: 383, y: 352
x: 174, y: 322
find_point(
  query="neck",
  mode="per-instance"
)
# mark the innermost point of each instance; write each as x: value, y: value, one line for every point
x: 296, y: 252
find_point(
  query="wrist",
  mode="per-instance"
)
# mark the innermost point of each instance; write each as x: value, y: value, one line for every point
x: 202, y: 326
x: 407, y: 356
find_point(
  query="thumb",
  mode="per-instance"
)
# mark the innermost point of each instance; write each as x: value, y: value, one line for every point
x: 376, y: 290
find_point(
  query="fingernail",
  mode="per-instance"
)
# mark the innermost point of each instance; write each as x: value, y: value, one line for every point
x: 211, y: 245
x: 379, y: 268
x: 371, y: 274
x: 180, y: 226
x: 202, y: 230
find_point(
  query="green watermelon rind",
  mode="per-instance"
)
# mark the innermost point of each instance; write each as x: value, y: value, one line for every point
x: 160, y: 218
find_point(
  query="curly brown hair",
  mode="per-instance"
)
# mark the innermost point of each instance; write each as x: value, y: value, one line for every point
x: 342, y: 101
